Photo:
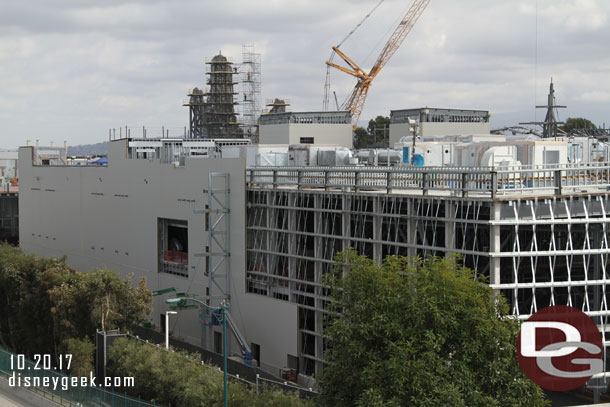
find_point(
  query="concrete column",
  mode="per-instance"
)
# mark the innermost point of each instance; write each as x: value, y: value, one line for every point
x: 411, y: 225
x: 494, y: 244
x: 377, y: 221
x: 270, y: 238
x: 450, y: 227
x: 318, y: 228
x: 345, y: 221
x: 291, y: 237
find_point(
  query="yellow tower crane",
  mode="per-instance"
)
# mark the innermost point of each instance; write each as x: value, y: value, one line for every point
x: 355, y: 102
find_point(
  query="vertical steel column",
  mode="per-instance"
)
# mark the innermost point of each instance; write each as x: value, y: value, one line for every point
x: 318, y: 229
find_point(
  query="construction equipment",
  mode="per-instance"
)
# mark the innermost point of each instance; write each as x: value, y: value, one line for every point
x: 181, y: 301
x: 179, y: 306
x: 355, y: 102
x: 246, y: 352
x: 216, y: 318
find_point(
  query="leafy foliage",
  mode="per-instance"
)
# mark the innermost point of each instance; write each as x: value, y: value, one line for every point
x: 576, y: 123
x: 82, y: 351
x: 376, y: 134
x: 180, y: 379
x: 419, y: 335
x: 361, y: 138
x: 45, y: 303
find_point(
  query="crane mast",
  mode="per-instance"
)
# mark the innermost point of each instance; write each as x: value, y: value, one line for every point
x: 356, y: 99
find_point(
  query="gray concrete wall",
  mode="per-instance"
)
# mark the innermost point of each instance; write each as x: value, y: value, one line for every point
x: 291, y: 133
x: 429, y: 129
x: 107, y: 217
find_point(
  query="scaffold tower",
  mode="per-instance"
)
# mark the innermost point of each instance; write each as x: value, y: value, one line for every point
x: 195, y: 103
x: 250, y: 78
x: 220, y: 118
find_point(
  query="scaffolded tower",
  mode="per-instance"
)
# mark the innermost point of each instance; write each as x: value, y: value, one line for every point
x: 250, y: 75
x: 277, y: 105
x: 196, y: 118
x: 220, y: 118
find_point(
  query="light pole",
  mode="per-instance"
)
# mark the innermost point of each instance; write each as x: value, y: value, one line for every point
x: 167, y: 327
x: 224, y: 306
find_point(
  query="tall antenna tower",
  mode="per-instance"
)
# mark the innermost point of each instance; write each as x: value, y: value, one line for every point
x: 250, y: 99
x: 550, y: 123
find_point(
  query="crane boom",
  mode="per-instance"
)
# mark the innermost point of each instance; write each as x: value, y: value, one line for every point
x: 355, y: 102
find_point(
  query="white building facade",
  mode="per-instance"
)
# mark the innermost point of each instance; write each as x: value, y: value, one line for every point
x: 138, y: 215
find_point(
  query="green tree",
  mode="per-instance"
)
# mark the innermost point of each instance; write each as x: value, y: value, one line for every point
x: 361, y: 138
x: 179, y: 379
x: 576, y: 123
x: 82, y: 351
x: 419, y: 335
x: 379, y: 131
x: 99, y: 299
x: 376, y: 135
x: 45, y: 303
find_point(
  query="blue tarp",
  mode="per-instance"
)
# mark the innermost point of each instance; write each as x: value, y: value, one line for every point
x: 100, y: 161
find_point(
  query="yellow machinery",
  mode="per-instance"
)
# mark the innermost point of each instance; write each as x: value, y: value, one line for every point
x: 355, y: 101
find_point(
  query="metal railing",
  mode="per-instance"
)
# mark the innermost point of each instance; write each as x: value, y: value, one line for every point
x: 457, y: 181
x: 65, y: 392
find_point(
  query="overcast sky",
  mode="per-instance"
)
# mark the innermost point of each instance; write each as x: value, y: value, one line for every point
x: 71, y: 69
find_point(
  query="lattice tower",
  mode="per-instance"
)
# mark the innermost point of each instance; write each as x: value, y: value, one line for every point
x: 250, y: 99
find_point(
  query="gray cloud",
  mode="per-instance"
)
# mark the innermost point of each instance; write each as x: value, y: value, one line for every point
x: 71, y: 69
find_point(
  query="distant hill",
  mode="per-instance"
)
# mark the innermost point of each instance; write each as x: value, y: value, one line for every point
x: 88, y: 149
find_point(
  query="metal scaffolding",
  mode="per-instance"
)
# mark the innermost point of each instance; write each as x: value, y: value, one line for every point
x: 195, y: 103
x: 218, y: 250
x: 250, y: 78
x: 220, y: 118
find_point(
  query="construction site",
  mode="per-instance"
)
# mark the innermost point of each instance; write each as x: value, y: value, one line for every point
x: 251, y: 206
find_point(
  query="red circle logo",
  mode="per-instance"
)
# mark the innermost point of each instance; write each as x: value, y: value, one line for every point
x: 560, y: 348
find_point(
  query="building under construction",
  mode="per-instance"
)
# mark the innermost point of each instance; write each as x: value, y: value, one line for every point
x: 262, y: 231
x: 212, y: 113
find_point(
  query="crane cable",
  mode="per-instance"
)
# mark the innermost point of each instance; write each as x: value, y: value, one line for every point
x: 332, y: 55
x: 360, y: 23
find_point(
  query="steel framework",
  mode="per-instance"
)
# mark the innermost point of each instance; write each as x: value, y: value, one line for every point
x: 536, y: 248
x: 195, y: 104
x: 218, y: 251
x: 250, y: 77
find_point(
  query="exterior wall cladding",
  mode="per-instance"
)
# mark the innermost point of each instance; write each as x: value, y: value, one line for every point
x: 540, y: 236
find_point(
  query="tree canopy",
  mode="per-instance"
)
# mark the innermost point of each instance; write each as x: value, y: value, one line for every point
x: 577, y: 123
x: 179, y: 379
x: 377, y: 134
x: 419, y: 335
x: 47, y: 306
